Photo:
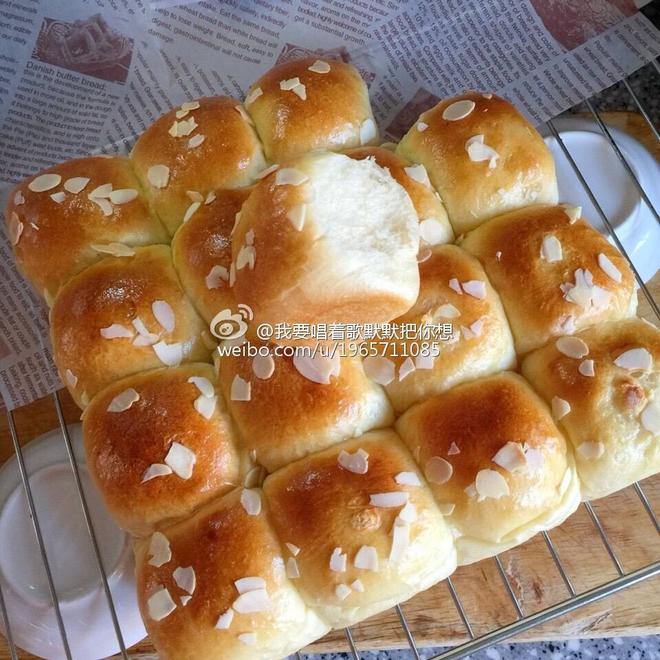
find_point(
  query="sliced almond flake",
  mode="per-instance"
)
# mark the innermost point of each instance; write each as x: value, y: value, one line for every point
x: 567, y: 326
x: 180, y: 114
x: 551, y: 249
x: 318, y: 368
x: 160, y: 604
x: 586, y: 368
x: 123, y: 195
x: 181, y: 460
x: 169, y: 354
x: 446, y: 508
x: 216, y: 276
x: 470, y: 491
x: 458, y: 110
x: 366, y: 558
x: 453, y: 449
x: 190, y: 105
x: 288, y: 85
x: 103, y: 204
x: 498, y: 255
x: 426, y: 361
x: 478, y: 151
x: 190, y: 211
x: 400, y: 540
x: 249, y: 639
x: 511, y: 457
x: 635, y: 359
x: 144, y: 338
x: 487, y: 96
x: 158, y: 175
x: 252, y: 601
x: 533, y: 456
x: 358, y: 462
x: 357, y: 585
x: 437, y: 470
x: 249, y: 237
x: 342, y: 591
x: 560, y: 407
x: 58, y: 197
x: 475, y: 288
x: 407, y: 479
x: 418, y: 173
x: 572, y: 347
x: 290, y: 176
x: 159, y: 550
x: 84, y: 399
x: 20, y: 199
x: 263, y: 366
x: 591, y: 450
x: 300, y: 91
x: 225, y: 619
x: 123, y: 401
x: 269, y: 170
x: 338, y: 561
x: 431, y: 231
x: 292, y: 570
x: 475, y: 329
x: 76, y: 184
x: 650, y: 417
x: 251, y: 501
x: 573, y: 212
x: 407, y: 367
x: 254, y: 477
x: 115, y: 249
x: 185, y: 599
x: 251, y: 583
x: 424, y: 254
x: 609, y: 268
x: 253, y: 95
x: 379, y: 368
x: 246, y: 257
x: 408, y: 513
x: 319, y: 67
x: 103, y: 191
x: 15, y: 229
x: 455, y: 285
x: 448, y: 311
x: 196, y: 140
x: 185, y: 578
x: 205, y: 405
x: 237, y: 219
x: 293, y: 549
x: 183, y: 128
x: 241, y: 390
x: 209, y: 198
x: 71, y: 378
x: 194, y: 196
x: 164, y: 314
x: 156, y: 470
x: 584, y: 292
x: 45, y: 182
x: 296, y: 216
x: 204, y: 385
x: 422, y: 126
x: 389, y: 500
x: 368, y: 131
x: 490, y: 483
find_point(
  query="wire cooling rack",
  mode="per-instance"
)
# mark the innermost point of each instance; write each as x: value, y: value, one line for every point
x: 575, y: 599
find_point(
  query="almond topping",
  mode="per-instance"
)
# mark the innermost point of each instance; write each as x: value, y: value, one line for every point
x: 431, y: 231
x: 296, y: 216
x: 437, y: 470
x: 650, y: 417
x: 388, y: 500
x: 115, y: 249
x: 269, y: 170
x: 20, y: 199
x: 490, y: 483
x: 160, y: 604
x: 551, y: 249
x: 366, y: 558
x: 475, y: 288
x: 338, y: 561
x: 196, y: 140
x: 293, y: 549
x: 458, y: 110
x: 181, y: 460
x: 156, y: 470
x: 511, y: 457
x: 418, y: 173
x: 379, y: 369
x: 448, y: 311
x: 572, y: 347
x: 368, y: 131
x: 253, y: 95
x: 422, y: 126
x: 453, y: 449
x: 205, y: 405
x: 225, y: 619
x: 158, y: 175
x: 319, y: 67
x: 292, y: 570
x: 358, y: 463
x: 159, y: 550
x: 216, y: 276
x: 251, y: 583
x: 123, y: 401
x: 407, y: 479
x: 609, y: 268
x: 71, y: 378
x: 185, y: 578
x: 400, y: 540
x: 407, y: 367
x: 573, y: 212
x: 45, y: 182
x: 560, y: 408
x: 249, y: 639
x: 241, y: 390
x: 591, y: 450
x: 123, y: 195
x: 357, y: 585
x: 586, y: 368
x: 263, y: 366
x: 251, y: 501
x: 15, y: 229
x: 318, y: 368
x: 58, y: 197
x: 169, y: 354
x: 252, y: 601
x: 164, y: 314
x: 478, y: 151
x: 455, y: 285
x: 635, y: 359
x: 342, y: 591
x: 290, y: 176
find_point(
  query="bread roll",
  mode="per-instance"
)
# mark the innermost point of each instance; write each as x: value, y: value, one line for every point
x: 121, y: 316
x: 497, y: 464
x: 159, y: 444
x: 482, y: 156
x: 290, y: 414
x: 434, y: 225
x: 478, y: 344
x: 555, y: 274
x: 327, y: 239
x: 307, y: 104
x: 357, y: 548
x: 607, y: 401
x: 209, y: 566
x: 194, y: 150
x: 201, y: 249
x: 74, y: 214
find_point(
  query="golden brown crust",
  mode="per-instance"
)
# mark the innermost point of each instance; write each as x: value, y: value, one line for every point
x: 318, y: 506
x: 425, y: 199
x: 201, y: 244
x: 119, y: 290
x: 466, y: 427
x: 471, y: 191
x: 509, y: 247
x: 229, y: 157
x: 222, y: 544
x: 605, y: 408
x: 121, y: 446
x: 56, y: 237
x: 289, y: 416
x: 470, y: 353
x: 329, y: 118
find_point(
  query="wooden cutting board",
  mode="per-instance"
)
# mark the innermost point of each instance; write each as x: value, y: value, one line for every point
x: 432, y: 616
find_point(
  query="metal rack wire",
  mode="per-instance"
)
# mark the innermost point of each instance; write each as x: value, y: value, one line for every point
x: 523, y: 621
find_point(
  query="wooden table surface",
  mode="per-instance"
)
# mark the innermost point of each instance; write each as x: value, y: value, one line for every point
x: 432, y: 617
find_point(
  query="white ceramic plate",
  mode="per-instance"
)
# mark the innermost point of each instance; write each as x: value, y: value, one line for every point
x: 72, y: 561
